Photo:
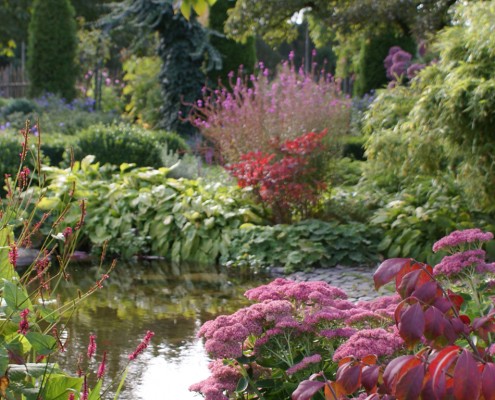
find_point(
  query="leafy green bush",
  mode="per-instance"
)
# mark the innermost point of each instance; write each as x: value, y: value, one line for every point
x: 142, y: 90
x: 119, y: 143
x: 421, y: 213
x: 9, y: 161
x: 23, y: 106
x: 302, y: 245
x: 52, y: 48
x: 141, y: 211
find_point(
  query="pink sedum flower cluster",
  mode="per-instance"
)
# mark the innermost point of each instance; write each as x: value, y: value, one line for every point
x: 467, y: 236
x: 288, y: 315
x: 378, y: 341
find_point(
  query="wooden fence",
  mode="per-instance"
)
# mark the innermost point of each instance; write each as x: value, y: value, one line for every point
x: 13, y: 82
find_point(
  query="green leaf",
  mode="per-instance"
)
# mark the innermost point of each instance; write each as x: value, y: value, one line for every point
x: 57, y: 386
x: 242, y: 385
x: 42, y: 344
x: 95, y: 393
x: 16, y: 297
x: 6, y: 268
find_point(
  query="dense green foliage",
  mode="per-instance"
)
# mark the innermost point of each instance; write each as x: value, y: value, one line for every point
x: 120, y: 143
x: 443, y: 121
x: 141, y: 211
x: 183, y: 48
x: 309, y: 243
x: 233, y: 54
x: 142, y: 90
x: 370, y: 72
x: 52, y: 48
x: 422, y: 212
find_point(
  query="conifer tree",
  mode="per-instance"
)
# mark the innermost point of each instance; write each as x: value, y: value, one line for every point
x: 52, y: 48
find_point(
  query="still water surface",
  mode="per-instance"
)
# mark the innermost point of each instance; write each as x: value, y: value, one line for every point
x: 171, y: 301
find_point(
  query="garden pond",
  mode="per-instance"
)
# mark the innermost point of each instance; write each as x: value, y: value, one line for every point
x: 171, y: 301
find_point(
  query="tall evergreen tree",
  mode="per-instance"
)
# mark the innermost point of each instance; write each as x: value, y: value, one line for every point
x: 52, y: 48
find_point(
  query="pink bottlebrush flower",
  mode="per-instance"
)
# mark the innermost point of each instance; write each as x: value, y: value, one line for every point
x: 67, y: 233
x: 13, y: 254
x: 99, y: 283
x: 71, y: 396
x: 85, y: 391
x: 457, y: 238
x: 314, y: 359
x: 23, y: 324
x: 91, y: 346
x: 370, y: 341
x: 102, y: 367
x: 142, y: 346
x: 23, y: 178
x: 454, y: 264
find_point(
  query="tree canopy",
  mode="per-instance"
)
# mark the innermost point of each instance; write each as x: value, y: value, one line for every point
x: 272, y: 19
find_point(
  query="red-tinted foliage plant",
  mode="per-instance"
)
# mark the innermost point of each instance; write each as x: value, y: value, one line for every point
x: 289, y: 180
x: 447, y: 320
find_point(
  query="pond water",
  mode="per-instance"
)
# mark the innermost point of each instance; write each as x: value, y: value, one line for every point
x: 171, y: 301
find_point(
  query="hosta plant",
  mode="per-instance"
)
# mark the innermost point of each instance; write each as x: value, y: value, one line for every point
x: 432, y: 339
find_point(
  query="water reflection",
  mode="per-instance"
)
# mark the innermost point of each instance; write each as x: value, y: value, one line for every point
x: 171, y: 301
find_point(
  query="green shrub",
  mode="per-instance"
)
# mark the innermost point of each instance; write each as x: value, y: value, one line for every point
x: 56, y: 148
x: 370, y: 71
x: 308, y: 243
x: 9, y: 160
x: 123, y: 143
x: 52, y: 48
x: 422, y: 213
x: 22, y: 106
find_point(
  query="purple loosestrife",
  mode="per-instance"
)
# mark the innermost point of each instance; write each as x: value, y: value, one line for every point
x: 91, y: 346
x: 378, y: 341
x: 142, y: 346
x: 467, y: 237
x: 13, y: 254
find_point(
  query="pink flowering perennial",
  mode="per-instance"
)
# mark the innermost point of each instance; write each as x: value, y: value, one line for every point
x: 456, y: 263
x: 457, y: 238
x: 304, y: 363
x: 142, y: 346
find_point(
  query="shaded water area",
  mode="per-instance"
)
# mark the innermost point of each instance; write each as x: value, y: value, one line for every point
x: 170, y: 300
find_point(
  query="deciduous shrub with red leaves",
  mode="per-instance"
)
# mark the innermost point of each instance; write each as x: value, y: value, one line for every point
x: 433, y: 339
x: 289, y: 180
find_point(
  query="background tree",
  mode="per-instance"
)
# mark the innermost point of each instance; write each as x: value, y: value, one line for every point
x: 233, y: 53
x: 183, y: 47
x: 14, y: 20
x: 52, y: 48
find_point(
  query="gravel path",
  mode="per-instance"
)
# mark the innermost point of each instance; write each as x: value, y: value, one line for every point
x: 357, y: 282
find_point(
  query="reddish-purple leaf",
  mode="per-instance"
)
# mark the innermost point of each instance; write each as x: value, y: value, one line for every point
x: 369, y: 377
x: 439, y: 366
x: 414, y: 280
x: 414, y: 266
x: 467, y: 379
x: 427, y: 292
x: 349, y: 377
x: 393, y: 369
x: 488, y: 382
x: 306, y: 390
x: 412, y: 324
x: 410, y: 384
x: 388, y: 270
x: 433, y: 323
x: 456, y: 299
x: 483, y: 326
